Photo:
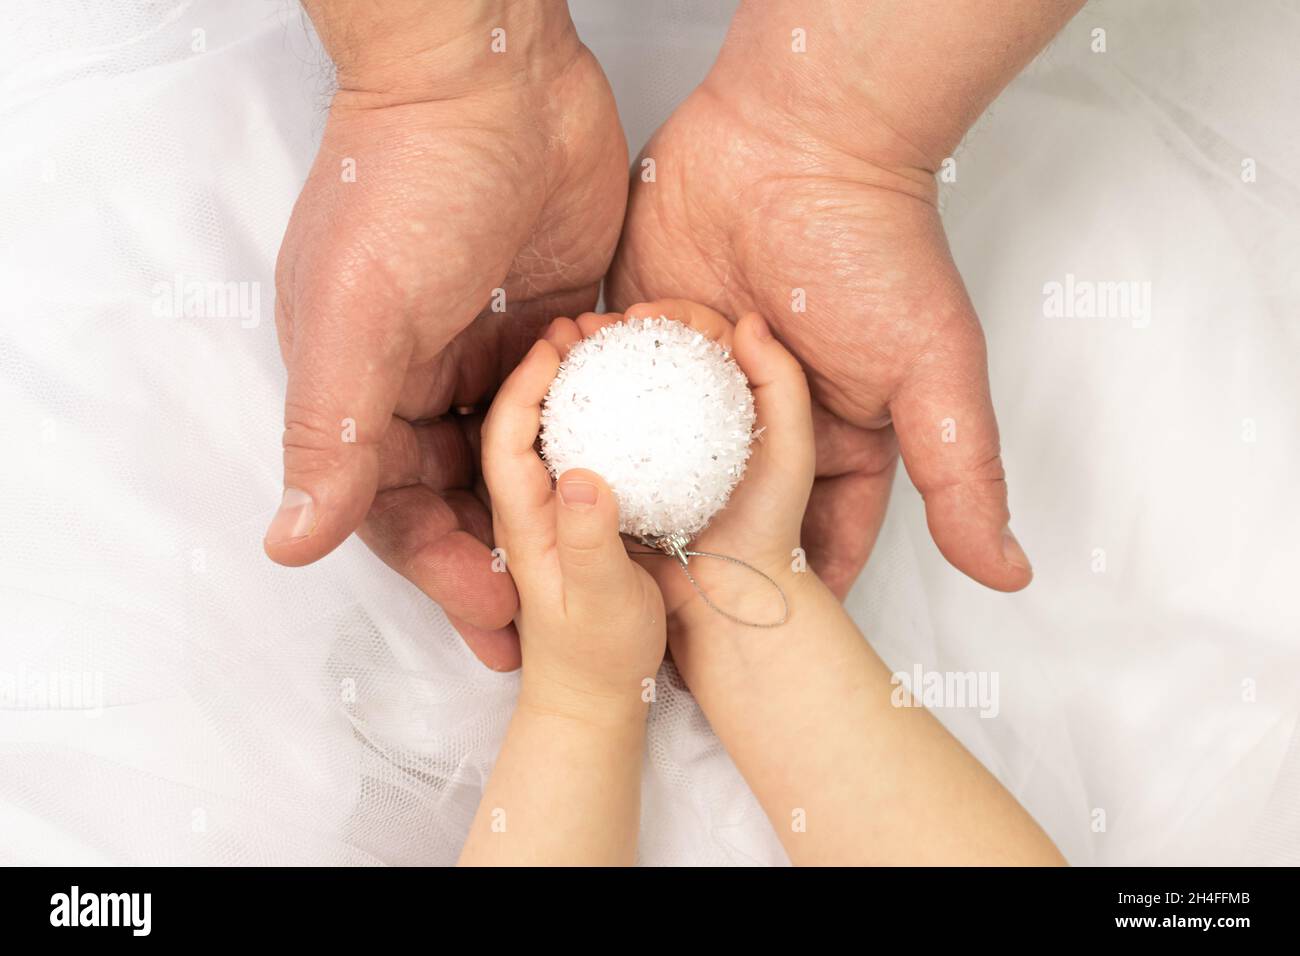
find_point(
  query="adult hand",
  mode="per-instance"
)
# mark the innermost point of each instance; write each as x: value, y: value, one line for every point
x: 797, y: 181
x: 472, y: 158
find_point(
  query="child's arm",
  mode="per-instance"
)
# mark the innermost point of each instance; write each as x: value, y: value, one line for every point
x: 565, y: 790
x: 566, y: 786
x: 805, y: 709
x: 846, y: 777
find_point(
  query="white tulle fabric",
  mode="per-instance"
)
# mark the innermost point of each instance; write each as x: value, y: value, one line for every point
x: 329, y: 715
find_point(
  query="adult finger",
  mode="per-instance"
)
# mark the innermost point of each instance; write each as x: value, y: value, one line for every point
x: 437, y: 454
x: 948, y: 435
x: 497, y: 648
x: 344, y: 379
x: 855, y: 472
x: 437, y: 543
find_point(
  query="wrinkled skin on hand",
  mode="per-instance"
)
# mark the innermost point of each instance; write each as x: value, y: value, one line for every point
x: 384, y: 312
x: 749, y: 205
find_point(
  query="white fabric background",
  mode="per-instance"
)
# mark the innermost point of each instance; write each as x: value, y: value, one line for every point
x: 329, y: 715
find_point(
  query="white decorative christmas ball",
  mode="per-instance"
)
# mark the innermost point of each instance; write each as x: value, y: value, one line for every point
x: 659, y: 411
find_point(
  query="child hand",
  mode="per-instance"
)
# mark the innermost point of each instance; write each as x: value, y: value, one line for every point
x: 807, y: 710
x: 591, y: 622
x: 760, y: 524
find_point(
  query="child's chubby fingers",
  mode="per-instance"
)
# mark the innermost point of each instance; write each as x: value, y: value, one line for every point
x: 594, y: 564
x: 701, y: 318
x: 589, y: 323
x: 563, y: 333
x: 783, y: 458
x: 516, y: 478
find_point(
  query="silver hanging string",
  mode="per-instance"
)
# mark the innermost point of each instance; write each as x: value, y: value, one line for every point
x: 675, y: 546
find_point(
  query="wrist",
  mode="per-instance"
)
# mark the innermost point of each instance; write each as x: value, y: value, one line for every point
x: 614, y: 709
x: 744, y: 595
x: 408, y: 50
x: 897, y: 82
x: 721, y: 660
x: 825, y: 89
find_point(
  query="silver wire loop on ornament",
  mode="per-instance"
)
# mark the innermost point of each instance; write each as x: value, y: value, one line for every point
x: 675, y: 545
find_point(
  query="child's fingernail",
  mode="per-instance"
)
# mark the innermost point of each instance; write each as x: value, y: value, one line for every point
x: 578, y: 493
x: 1012, y: 552
x: 761, y: 331
x: 294, y: 519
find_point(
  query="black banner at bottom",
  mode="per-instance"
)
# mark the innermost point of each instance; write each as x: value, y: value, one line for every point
x: 338, y: 907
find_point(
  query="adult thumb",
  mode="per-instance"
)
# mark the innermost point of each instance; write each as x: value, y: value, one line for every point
x: 594, y: 564
x: 344, y: 381
x: 948, y: 436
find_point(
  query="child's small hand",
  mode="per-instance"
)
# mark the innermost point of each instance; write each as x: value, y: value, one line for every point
x: 807, y: 710
x: 591, y: 622
x: 760, y: 524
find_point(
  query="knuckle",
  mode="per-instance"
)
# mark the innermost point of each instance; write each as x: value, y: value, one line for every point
x: 584, y: 554
x: 986, y: 474
x: 984, y: 468
x: 989, y: 469
x: 311, y: 442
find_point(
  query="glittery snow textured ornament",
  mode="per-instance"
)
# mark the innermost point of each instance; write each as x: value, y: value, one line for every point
x: 659, y: 411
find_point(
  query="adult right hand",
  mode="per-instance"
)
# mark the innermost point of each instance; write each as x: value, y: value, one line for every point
x: 797, y: 181
x: 472, y: 158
